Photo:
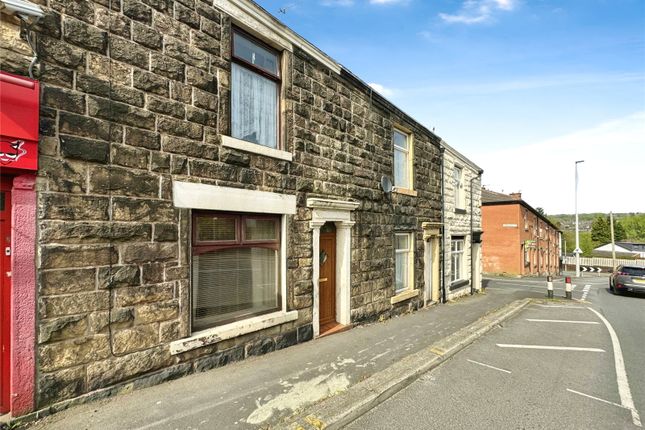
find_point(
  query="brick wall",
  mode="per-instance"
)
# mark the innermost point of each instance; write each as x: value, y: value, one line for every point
x: 136, y: 95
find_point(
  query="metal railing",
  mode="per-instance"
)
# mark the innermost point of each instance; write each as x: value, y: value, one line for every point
x: 602, y: 262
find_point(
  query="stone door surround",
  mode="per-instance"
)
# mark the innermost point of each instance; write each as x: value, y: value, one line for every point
x: 338, y: 212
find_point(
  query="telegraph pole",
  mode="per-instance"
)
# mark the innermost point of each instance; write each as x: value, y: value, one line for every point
x: 577, y: 250
x: 613, y: 244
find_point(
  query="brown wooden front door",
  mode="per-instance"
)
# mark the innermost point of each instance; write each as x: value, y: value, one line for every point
x: 327, y: 280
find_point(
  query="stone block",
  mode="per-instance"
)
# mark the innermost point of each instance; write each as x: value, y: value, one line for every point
x: 167, y: 107
x: 114, y: 22
x: 157, y: 312
x: 137, y: 338
x: 187, y: 16
x: 148, y: 252
x: 72, y: 207
x: 84, y: 149
x: 201, y: 79
x: 102, y: 88
x: 69, y: 123
x: 86, y: 233
x: 128, y: 156
x: 142, y: 138
x: 119, y: 317
x: 180, y: 128
x: 61, y: 53
x: 119, y: 276
x: 137, y: 11
x: 62, y: 328
x: 64, y: 99
x: 206, y: 43
x: 121, y: 181
x: 126, y: 209
x: 105, y: 68
x: 189, y: 148
x: 286, y: 340
x: 185, y: 53
x: 136, y: 295
x: 63, y: 256
x: 305, y: 333
x: 61, y: 385
x: 115, y: 369
x: 71, y: 353
x: 67, y: 281
x: 120, y: 113
x: 63, y: 175
x: 165, y: 232
x: 169, y: 331
x: 159, y: 162
x: 151, y: 83
x: 129, y: 52
x: 219, y: 359
x: 84, y: 35
x: 168, y: 67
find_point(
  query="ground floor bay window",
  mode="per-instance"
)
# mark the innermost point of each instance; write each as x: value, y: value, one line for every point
x: 235, y: 268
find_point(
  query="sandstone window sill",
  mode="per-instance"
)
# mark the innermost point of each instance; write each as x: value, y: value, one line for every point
x: 405, y: 191
x: 214, y: 335
x: 404, y: 295
x: 242, y: 145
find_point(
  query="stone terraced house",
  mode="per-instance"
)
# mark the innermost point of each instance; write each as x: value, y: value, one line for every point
x: 210, y: 186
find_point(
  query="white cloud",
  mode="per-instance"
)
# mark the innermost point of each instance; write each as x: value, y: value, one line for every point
x: 477, y: 11
x: 387, y: 92
x: 614, y: 153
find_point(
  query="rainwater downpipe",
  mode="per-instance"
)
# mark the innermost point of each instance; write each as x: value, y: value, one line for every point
x: 443, y: 229
x: 472, y: 248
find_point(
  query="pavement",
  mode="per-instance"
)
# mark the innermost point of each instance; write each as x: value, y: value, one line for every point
x: 282, y: 387
x: 550, y: 366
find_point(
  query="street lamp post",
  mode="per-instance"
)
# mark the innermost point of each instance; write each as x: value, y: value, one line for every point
x: 577, y: 250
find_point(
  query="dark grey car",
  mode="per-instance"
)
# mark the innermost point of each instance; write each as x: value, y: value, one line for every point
x: 627, y: 278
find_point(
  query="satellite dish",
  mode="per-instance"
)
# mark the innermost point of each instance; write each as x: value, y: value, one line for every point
x: 386, y: 184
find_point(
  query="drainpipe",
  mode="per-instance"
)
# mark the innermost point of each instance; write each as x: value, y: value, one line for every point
x: 443, y: 228
x: 472, y: 253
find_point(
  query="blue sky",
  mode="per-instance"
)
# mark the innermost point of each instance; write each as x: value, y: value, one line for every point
x: 522, y: 87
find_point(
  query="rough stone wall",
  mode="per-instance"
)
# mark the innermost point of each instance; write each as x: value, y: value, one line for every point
x: 458, y: 223
x: 135, y: 94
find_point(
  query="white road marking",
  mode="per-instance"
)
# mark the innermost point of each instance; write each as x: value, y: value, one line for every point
x: 489, y: 366
x: 621, y: 375
x: 549, y: 347
x: 596, y: 398
x: 560, y: 306
x: 585, y: 291
x: 563, y: 321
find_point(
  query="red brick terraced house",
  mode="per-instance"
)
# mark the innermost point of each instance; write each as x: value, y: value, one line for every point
x: 517, y: 239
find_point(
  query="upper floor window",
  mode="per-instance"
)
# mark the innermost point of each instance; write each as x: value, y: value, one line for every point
x: 255, y: 89
x: 458, y: 181
x: 402, y: 159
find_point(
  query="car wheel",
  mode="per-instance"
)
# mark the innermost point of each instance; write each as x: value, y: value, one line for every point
x: 611, y: 286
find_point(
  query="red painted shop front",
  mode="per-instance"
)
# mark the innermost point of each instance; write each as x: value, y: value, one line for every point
x: 19, y: 105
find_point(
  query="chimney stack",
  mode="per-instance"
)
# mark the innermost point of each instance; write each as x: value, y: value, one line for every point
x: 516, y: 196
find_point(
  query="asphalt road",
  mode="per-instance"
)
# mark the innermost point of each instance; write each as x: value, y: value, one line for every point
x: 552, y: 366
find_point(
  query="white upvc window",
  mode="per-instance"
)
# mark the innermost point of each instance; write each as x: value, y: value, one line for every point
x: 404, y: 261
x: 456, y: 259
x: 255, y: 91
x: 458, y: 183
x: 403, y: 156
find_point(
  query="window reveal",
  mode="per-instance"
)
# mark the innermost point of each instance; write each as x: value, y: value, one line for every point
x: 255, y: 87
x: 235, y: 270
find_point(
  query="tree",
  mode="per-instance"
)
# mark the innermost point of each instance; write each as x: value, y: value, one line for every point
x: 601, y: 230
x: 540, y: 211
x: 634, y: 227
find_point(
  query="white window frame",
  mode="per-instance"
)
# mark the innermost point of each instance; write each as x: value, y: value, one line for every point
x: 458, y: 183
x: 409, y: 154
x: 457, y: 259
x: 409, y: 261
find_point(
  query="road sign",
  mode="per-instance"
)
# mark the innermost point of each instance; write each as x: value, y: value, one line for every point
x: 591, y: 269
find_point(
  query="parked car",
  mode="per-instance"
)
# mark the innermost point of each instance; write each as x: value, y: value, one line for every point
x: 627, y: 278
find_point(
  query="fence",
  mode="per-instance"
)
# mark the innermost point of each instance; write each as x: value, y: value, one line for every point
x: 605, y: 263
